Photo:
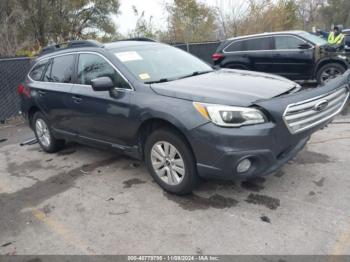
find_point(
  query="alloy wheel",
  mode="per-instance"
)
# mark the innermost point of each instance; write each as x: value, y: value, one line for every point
x: 43, y: 132
x: 168, y: 163
x: 330, y: 73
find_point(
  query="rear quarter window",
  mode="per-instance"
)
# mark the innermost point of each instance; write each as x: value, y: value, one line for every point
x: 38, y: 70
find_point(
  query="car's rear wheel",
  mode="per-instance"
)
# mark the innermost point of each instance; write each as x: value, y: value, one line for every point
x: 329, y: 71
x: 170, y: 162
x: 43, y: 134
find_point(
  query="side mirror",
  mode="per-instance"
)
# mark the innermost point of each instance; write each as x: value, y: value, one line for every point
x: 304, y: 46
x: 102, y: 84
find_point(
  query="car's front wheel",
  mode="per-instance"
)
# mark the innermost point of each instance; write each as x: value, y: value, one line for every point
x: 329, y: 71
x: 171, y: 162
x: 44, y: 134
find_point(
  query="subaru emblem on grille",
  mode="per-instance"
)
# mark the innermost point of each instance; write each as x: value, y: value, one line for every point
x: 322, y: 105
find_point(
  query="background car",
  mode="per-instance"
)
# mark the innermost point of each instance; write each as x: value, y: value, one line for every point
x: 297, y: 55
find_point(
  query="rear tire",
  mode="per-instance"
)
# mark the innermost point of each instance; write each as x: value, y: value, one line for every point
x: 170, y: 161
x: 328, y: 72
x: 44, y: 135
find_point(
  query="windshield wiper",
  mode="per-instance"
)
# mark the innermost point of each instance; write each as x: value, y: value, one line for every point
x: 196, y: 73
x: 163, y: 80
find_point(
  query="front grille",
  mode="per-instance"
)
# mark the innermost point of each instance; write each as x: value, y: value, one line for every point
x: 306, y: 114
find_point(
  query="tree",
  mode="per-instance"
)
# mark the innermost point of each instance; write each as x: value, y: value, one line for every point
x: 62, y: 20
x: 11, y: 19
x: 309, y: 13
x: 336, y: 12
x: 230, y: 17
x: 144, y: 27
x: 190, y: 21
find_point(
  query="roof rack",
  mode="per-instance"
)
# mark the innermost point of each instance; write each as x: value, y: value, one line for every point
x: 143, y: 39
x: 70, y: 45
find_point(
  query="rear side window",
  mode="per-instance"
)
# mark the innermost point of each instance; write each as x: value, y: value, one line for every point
x: 38, y: 70
x: 61, y: 69
x: 254, y: 44
x: 92, y: 66
x: 287, y: 42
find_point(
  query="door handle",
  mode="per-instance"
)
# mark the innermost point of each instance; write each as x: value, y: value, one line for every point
x: 41, y: 93
x: 77, y: 99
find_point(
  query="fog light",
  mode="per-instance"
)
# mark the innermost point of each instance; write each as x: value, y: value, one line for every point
x: 244, y: 166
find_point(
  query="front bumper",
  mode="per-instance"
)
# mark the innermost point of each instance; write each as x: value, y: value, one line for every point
x: 269, y: 146
x: 218, y: 152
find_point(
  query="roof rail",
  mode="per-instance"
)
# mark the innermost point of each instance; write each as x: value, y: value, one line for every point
x: 144, y: 39
x: 70, y: 45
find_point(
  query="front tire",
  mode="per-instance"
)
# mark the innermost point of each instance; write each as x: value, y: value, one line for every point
x: 170, y: 162
x: 329, y: 71
x: 44, y: 135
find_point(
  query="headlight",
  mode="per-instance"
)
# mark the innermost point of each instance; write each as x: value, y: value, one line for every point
x: 230, y: 116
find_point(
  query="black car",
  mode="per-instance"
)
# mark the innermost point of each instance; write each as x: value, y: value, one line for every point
x: 160, y: 104
x: 297, y: 55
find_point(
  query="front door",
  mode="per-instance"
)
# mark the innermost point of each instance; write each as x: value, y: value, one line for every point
x: 102, y: 116
x: 292, y: 57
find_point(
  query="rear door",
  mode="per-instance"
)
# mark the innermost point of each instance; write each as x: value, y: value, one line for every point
x: 53, y: 89
x: 100, y: 116
x: 290, y: 59
x: 255, y: 52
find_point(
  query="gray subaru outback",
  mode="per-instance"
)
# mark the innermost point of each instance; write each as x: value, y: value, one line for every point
x: 159, y: 104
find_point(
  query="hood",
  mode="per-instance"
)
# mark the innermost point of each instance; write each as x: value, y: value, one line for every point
x: 226, y: 86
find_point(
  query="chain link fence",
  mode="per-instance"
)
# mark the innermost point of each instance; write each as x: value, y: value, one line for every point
x: 202, y: 50
x: 12, y: 72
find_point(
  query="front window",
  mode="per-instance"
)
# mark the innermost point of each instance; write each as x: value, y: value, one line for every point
x: 287, y: 42
x: 91, y: 66
x: 160, y: 63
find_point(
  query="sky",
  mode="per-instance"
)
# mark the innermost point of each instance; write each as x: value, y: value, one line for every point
x: 126, y: 21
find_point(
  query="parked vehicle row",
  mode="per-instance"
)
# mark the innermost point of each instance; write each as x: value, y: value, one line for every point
x: 183, y: 118
x: 296, y: 55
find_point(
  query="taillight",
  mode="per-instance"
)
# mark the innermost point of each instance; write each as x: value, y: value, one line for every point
x: 217, y: 57
x: 20, y: 89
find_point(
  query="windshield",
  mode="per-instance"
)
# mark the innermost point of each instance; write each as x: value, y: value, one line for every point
x: 160, y: 63
x: 314, y: 38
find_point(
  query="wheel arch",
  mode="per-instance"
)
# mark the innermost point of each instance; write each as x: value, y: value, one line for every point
x: 324, y: 62
x: 151, y: 124
x: 31, y: 112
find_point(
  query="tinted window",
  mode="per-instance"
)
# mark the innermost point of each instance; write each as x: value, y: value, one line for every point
x: 254, y: 44
x: 62, y: 69
x: 235, y: 46
x: 47, y: 75
x: 287, y: 42
x: 38, y: 70
x: 92, y: 66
